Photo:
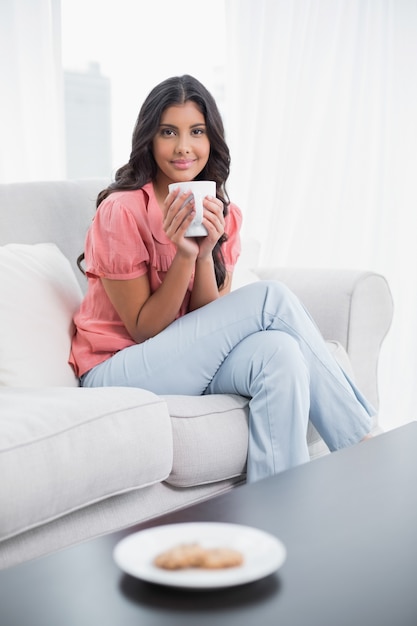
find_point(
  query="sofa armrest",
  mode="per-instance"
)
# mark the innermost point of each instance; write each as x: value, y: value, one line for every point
x: 352, y: 307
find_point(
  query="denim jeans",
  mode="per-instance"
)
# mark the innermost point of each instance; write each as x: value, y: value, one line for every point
x: 260, y: 342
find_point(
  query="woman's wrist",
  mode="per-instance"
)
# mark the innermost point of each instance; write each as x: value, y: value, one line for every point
x: 208, y: 259
x: 187, y: 256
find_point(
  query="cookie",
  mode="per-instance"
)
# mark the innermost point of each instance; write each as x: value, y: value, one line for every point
x: 193, y: 555
x: 180, y: 557
x: 219, y: 558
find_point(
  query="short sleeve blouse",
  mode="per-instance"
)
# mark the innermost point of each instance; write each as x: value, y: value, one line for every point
x: 126, y: 240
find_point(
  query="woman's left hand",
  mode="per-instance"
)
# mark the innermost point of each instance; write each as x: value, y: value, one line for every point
x: 213, y: 220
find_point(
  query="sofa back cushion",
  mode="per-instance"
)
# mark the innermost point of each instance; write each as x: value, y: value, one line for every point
x: 40, y: 294
x: 59, y: 211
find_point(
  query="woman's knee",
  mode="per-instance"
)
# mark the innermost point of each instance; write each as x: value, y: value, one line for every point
x: 276, y: 362
x: 273, y: 350
x: 282, y: 347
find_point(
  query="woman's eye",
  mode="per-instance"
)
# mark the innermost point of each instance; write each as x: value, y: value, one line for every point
x: 198, y: 131
x: 167, y: 132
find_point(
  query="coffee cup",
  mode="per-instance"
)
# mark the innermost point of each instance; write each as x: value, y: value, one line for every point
x: 199, y: 189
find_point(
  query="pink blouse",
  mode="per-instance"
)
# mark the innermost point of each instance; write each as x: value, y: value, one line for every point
x: 126, y: 240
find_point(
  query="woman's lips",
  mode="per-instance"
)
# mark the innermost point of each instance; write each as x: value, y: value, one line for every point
x: 183, y: 164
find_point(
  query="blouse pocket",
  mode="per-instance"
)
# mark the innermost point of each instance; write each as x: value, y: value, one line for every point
x: 162, y: 258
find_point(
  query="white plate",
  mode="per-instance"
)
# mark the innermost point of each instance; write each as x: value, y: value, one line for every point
x: 263, y: 554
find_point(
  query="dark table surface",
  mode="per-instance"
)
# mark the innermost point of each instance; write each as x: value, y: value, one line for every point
x: 348, y: 521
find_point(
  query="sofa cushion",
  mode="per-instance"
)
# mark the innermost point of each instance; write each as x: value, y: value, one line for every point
x: 210, y: 438
x: 39, y: 297
x: 65, y: 448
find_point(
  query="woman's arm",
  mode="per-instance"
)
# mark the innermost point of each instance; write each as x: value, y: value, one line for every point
x: 144, y: 314
x: 205, y: 288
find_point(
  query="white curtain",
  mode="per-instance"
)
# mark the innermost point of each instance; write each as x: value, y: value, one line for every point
x: 322, y: 125
x: 31, y: 103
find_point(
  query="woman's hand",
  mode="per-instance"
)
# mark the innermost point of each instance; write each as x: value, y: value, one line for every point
x: 179, y: 212
x: 213, y: 220
x: 205, y: 287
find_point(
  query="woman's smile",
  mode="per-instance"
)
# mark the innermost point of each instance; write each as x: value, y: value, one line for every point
x: 183, y: 164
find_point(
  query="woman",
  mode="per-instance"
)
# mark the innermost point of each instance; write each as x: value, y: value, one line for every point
x: 159, y: 315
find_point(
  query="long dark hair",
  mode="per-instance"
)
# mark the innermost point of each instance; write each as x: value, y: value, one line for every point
x: 141, y: 167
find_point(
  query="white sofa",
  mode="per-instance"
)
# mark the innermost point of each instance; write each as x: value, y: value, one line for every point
x: 76, y: 463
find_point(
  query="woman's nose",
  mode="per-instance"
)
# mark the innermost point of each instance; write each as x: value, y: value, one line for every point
x: 183, y: 146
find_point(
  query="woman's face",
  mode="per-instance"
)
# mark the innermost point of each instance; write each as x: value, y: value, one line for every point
x: 181, y: 147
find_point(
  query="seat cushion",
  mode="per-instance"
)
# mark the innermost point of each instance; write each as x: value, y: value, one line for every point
x: 210, y: 438
x: 62, y: 449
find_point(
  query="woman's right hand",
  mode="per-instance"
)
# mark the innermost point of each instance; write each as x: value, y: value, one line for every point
x: 179, y: 212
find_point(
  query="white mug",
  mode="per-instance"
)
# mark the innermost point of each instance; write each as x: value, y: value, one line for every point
x: 200, y: 189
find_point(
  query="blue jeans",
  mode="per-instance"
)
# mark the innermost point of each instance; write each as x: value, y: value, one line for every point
x: 259, y: 342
